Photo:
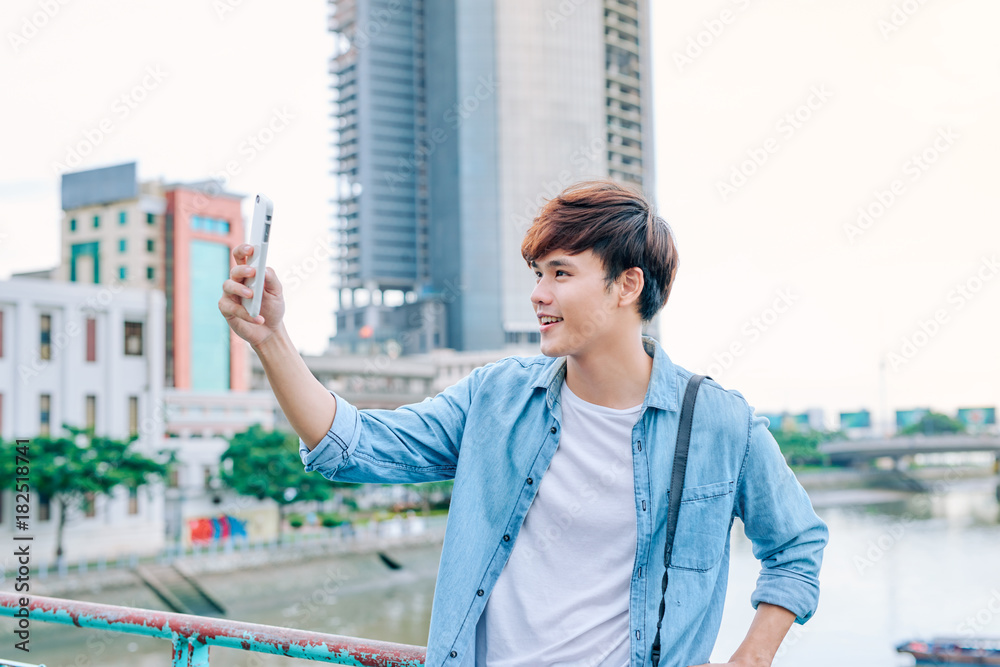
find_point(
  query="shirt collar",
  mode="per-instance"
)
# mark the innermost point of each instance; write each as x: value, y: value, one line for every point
x: 663, y: 382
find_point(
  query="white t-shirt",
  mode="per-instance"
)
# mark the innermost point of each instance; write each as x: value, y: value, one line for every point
x: 563, y: 596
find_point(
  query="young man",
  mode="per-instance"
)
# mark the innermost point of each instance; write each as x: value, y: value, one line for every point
x: 554, y: 549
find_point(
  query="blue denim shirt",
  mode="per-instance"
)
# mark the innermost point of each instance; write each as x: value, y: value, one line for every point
x: 495, y: 432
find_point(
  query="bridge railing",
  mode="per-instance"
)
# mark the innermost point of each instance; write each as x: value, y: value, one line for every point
x: 192, y: 636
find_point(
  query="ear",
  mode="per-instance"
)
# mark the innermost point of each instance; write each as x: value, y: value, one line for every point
x: 631, y: 283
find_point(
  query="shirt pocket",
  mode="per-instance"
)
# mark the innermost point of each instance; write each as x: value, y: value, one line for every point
x: 703, y: 526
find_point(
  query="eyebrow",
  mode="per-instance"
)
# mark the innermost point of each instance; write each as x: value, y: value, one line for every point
x: 556, y: 262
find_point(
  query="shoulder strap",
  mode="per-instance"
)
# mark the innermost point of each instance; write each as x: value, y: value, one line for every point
x: 676, y: 488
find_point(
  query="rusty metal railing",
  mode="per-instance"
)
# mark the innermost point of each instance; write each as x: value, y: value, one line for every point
x: 193, y: 635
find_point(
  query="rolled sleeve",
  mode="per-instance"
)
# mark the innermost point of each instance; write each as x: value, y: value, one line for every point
x: 414, y: 443
x: 787, y: 535
x: 338, y: 443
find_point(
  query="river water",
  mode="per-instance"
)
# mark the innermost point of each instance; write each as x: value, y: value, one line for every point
x: 918, y: 567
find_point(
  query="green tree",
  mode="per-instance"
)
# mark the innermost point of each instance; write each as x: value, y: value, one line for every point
x: 266, y: 464
x: 932, y: 423
x: 802, y: 448
x: 65, y: 470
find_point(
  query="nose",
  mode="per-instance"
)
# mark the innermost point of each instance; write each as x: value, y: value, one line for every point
x: 541, y: 294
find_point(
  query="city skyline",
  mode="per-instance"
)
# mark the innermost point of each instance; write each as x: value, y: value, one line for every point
x: 832, y: 210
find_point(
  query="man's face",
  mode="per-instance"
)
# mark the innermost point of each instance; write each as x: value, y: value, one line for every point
x: 571, y: 287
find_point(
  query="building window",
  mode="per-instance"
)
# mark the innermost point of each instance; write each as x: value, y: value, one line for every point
x: 173, y: 477
x: 45, y: 337
x: 91, y: 339
x: 122, y: 273
x: 149, y: 245
x: 122, y: 217
x: 97, y: 221
x: 90, y: 414
x: 44, y: 508
x: 122, y: 245
x: 133, y: 339
x: 84, y: 262
x: 44, y: 414
x: 210, y: 225
x: 133, y: 500
x: 149, y: 273
x: 89, y: 504
x: 150, y: 219
x: 133, y: 415
x: 72, y: 224
x: 207, y: 474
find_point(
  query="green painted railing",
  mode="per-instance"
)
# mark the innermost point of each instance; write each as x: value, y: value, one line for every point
x: 193, y: 635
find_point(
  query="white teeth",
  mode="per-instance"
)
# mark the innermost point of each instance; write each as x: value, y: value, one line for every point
x: 549, y: 320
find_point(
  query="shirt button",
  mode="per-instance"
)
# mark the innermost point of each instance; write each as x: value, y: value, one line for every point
x: 530, y: 481
x: 506, y: 538
x: 454, y: 654
x: 552, y: 430
x: 480, y: 592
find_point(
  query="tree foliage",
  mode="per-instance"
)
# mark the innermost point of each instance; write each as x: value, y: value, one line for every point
x: 801, y: 448
x: 65, y: 470
x: 266, y: 464
x: 932, y: 423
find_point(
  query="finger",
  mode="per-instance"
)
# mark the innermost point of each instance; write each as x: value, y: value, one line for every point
x: 242, y: 252
x: 237, y: 289
x: 241, y: 272
x: 231, y: 309
x: 271, y: 282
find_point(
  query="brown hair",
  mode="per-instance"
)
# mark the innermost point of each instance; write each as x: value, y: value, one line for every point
x: 619, y: 226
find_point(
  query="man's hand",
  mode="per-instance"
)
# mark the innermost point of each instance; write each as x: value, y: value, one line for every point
x: 272, y: 306
x: 769, y: 627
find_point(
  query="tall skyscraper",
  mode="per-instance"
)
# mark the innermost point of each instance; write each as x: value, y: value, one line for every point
x: 456, y: 120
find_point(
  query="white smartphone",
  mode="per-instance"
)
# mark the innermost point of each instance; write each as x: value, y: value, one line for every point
x: 260, y: 231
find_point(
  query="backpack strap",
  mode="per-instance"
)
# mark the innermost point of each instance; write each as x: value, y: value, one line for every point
x: 676, y: 488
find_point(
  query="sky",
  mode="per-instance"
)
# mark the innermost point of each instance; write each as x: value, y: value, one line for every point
x: 829, y: 171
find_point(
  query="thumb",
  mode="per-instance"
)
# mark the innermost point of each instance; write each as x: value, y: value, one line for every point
x: 271, y: 282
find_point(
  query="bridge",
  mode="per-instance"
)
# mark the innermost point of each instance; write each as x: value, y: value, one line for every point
x: 866, y: 449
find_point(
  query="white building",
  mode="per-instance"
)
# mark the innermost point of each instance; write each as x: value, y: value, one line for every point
x: 84, y: 356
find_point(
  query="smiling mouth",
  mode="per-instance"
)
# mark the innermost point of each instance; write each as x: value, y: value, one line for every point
x: 547, y: 322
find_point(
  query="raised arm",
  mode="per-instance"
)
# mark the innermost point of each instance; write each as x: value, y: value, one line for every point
x: 307, y: 405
